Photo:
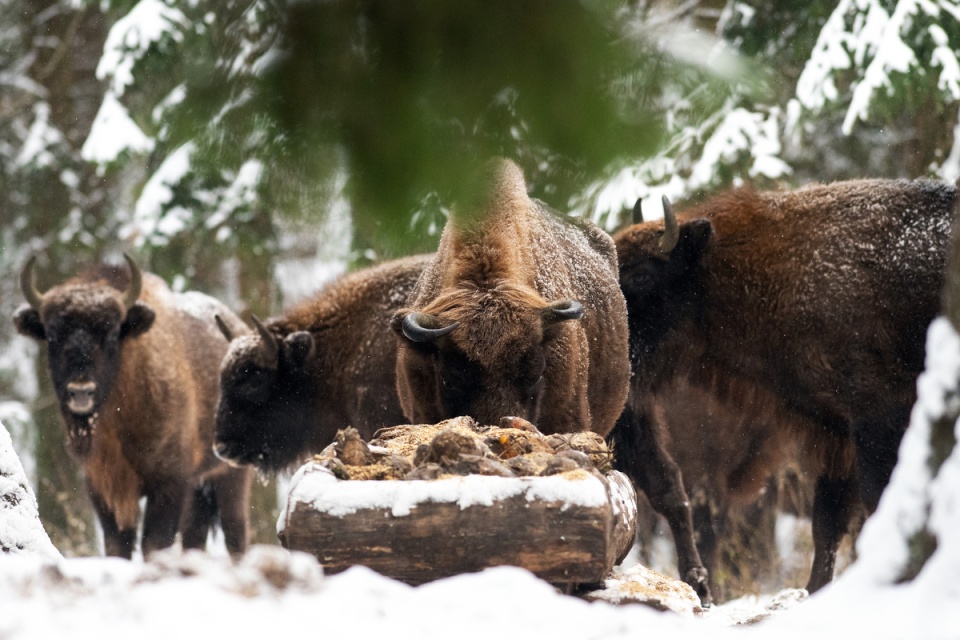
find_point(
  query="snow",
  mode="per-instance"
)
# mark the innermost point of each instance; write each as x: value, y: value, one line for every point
x: 41, y: 136
x: 863, y: 35
x: 739, y: 131
x: 149, y: 218
x: 240, y: 193
x: 731, y: 133
x: 881, y: 35
x: 945, y: 58
x: 20, y: 528
x: 113, y: 132
x: 311, y: 486
x: 132, y: 36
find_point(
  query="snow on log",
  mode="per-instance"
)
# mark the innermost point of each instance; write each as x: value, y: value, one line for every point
x: 569, y: 526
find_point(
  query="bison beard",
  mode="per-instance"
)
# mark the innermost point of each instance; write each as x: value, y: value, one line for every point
x: 134, y: 369
x: 807, y: 311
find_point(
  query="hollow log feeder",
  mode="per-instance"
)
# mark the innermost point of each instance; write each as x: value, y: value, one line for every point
x: 570, y: 528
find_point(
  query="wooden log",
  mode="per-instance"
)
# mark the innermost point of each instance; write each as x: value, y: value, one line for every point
x: 567, y: 529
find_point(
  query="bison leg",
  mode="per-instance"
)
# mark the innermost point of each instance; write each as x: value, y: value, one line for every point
x: 641, y: 455
x: 834, y: 502
x: 233, y: 496
x: 200, y: 515
x: 877, y: 442
x: 116, y: 541
x: 162, y: 517
x: 705, y: 534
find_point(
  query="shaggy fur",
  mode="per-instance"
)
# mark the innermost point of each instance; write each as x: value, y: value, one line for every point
x: 503, y: 260
x: 805, y: 310
x: 150, y: 431
x: 333, y: 369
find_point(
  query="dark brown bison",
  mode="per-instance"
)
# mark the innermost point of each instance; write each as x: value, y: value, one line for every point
x: 134, y: 367
x: 519, y: 314
x: 323, y: 365
x: 740, y: 474
x: 807, y: 309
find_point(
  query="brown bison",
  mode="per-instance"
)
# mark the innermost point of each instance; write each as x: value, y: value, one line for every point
x: 134, y: 367
x: 325, y: 364
x: 808, y: 309
x: 739, y: 474
x: 519, y: 314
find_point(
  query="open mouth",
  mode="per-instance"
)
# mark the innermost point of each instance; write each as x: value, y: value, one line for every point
x: 80, y: 407
x: 80, y: 400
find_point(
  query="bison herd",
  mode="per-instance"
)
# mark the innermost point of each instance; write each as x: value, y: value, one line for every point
x: 799, y: 317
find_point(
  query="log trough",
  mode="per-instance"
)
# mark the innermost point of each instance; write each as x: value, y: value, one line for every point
x: 569, y: 526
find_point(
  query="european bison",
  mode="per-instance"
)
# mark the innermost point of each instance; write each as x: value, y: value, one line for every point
x: 134, y: 367
x: 319, y: 367
x: 739, y: 473
x: 806, y: 308
x: 520, y: 314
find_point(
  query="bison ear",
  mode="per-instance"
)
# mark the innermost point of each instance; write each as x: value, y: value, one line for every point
x: 299, y: 347
x: 27, y: 321
x: 139, y: 319
x: 694, y: 237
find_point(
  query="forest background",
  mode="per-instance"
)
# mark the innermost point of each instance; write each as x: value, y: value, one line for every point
x: 254, y: 149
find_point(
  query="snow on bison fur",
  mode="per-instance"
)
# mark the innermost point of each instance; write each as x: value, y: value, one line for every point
x: 807, y: 309
x: 134, y: 367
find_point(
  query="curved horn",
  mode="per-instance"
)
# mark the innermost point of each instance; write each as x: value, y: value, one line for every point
x: 671, y: 233
x: 34, y: 297
x: 136, y: 283
x: 224, y: 329
x: 270, y: 345
x: 563, y: 310
x: 416, y: 327
x: 638, y: 211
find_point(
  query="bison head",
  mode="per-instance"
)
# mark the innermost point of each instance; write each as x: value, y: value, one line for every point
x: 84, y: 323
x: 661, y: 272
x: 265, y: 411
x: 485, y: 353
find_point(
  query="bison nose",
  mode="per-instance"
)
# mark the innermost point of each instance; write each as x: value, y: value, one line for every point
x: 80, y: 397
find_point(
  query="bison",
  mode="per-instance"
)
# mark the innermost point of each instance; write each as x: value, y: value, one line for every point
x: 738, y: 473
x: 808, y: 310
x: 520, y: 314
x: 326, y: 363
x: 134, y: 367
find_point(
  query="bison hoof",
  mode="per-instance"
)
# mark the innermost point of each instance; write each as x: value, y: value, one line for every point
x: 697, y: 578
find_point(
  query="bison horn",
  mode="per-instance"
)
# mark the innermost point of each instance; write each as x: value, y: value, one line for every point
x: 132, y: 293
x: 671, y: 233
x: 638, y: 211
x: 34, y: 297
x: 563, y: 310
x: 224, y: 329
x: 270, y: 345
x: 416, y: 327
